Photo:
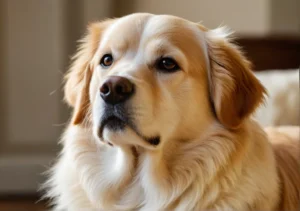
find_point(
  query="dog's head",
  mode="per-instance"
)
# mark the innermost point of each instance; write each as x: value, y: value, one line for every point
x: 143, y: 79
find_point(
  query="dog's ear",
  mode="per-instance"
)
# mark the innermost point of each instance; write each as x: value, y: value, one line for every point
x: 78, y: 77
x: 82, y: 103
x: 235, y: 91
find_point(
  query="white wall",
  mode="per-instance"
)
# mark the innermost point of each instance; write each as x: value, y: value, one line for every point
x: 285, y: 16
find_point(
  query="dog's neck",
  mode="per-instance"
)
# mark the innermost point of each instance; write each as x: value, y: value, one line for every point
x: 116, y: 177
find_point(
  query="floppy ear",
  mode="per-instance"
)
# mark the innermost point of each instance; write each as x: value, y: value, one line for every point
x: 235, y: 91
x: 78, y: 77
x: 82, y: 103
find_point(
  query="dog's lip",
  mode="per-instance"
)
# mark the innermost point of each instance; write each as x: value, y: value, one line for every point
x: 154, y: 140
x: 104, y: 123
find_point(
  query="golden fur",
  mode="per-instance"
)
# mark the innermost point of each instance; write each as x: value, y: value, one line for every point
x: 211, y: 155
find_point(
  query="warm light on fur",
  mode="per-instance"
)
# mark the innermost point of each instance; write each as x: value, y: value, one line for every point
x: 211, y: 155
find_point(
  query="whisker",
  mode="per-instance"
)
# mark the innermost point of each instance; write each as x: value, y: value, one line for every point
x: 53, y: 92
x: 59, y: 124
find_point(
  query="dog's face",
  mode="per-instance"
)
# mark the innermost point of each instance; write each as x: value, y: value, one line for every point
x: 144, y: 79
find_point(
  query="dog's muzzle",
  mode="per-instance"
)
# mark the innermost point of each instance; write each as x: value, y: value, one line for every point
x: 115, y: 92
x: 115, y: 117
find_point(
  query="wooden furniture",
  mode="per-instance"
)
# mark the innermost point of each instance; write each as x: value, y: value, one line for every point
x: 272, y: 52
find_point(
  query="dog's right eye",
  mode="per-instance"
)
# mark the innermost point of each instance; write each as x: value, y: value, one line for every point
x: 167, y: 65
x: 106, y: 60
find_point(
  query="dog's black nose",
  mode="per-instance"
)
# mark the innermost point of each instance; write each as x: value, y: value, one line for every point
x: 116, y: 89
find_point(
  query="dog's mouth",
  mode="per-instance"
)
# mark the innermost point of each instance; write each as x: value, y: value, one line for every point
x: 116, y: 120
x: 113, y: 123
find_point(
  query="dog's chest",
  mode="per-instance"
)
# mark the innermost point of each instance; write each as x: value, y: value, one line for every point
x: 111, y: 179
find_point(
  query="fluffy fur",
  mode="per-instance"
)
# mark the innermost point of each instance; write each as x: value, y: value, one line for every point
x: 211, y: 155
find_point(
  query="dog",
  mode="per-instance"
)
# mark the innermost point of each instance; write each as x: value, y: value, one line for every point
x: 162, y: 120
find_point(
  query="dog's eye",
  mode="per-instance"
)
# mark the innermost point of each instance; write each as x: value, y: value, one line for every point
x: 167, y: 65
x: 106, y: 60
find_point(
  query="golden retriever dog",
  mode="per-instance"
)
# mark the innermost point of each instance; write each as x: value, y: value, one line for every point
x: 162, y: 121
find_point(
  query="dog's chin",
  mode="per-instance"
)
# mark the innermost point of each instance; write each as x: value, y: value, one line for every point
x: 114, y: 124
x: 117, y: 133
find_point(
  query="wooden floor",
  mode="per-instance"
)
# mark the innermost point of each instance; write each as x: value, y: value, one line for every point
x: 21, y: 204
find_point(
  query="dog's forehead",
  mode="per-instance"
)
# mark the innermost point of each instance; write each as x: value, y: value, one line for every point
x: 133, y: 28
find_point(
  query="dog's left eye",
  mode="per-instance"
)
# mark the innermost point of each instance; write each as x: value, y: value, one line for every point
x: 167, y: 65
x: 106, y: 60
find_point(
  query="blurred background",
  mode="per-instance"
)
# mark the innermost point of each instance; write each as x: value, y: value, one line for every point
x: 37, y: 38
